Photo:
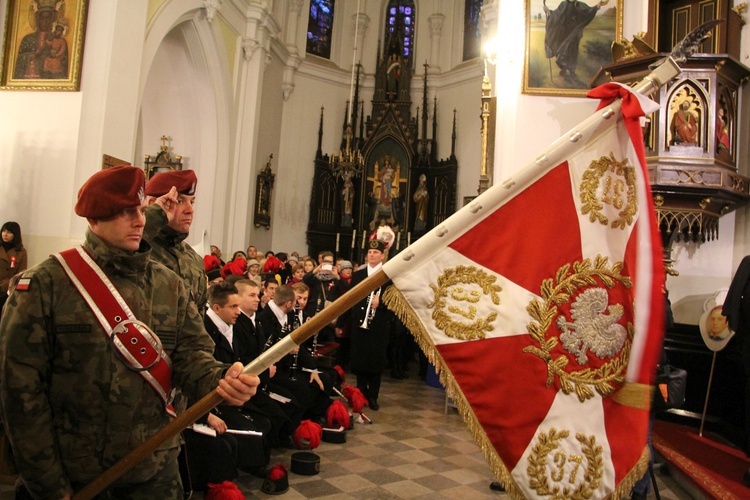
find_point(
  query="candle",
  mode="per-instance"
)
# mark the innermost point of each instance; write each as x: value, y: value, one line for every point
x: 398, y: 240
x: 364, y: 235
x: 408, y: 239
x: 354, y: 237
x: 337, y: 242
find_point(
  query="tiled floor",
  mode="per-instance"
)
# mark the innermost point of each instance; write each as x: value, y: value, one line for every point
x: 413, y: 449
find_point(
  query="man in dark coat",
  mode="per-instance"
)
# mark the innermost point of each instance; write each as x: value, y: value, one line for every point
x: 369, y: 345
x: 737, y: 311
x: 274, y: 401
x: 564, y: 30
x: 306, y: 386
x: 254, y: 452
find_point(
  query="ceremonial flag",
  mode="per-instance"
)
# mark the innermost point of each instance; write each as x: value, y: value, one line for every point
x: 541, y: 305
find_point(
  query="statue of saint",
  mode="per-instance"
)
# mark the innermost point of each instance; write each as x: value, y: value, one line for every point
x: 420, y: 198
x: 347, y: 193
x: 684, y: 125
x: 722, y: 131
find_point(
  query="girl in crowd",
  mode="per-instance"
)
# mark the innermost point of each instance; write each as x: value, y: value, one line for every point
x: 298, y: 272
x: 309, y: 265
x: 12, y: 254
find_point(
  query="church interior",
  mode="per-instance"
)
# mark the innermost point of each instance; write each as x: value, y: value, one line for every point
x: 313, y: 123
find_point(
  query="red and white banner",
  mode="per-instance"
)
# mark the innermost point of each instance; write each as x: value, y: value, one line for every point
x: 541, y: 303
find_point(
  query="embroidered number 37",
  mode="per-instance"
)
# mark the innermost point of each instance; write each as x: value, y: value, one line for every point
x: 560, y: 460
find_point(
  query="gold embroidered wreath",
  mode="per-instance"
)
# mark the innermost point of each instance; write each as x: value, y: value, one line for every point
x: 456, y: 276
x: 537, y: 468
x: 590, y: 203
x: 560, y: 291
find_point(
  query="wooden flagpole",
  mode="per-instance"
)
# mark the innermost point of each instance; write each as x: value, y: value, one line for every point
x: 425, y: 247
x: 257, y: 366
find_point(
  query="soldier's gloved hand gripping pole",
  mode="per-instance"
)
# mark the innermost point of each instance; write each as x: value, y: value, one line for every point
x: 257, y: 366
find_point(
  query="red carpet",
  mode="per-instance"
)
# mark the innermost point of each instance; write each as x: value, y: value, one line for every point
x: 714, y: 468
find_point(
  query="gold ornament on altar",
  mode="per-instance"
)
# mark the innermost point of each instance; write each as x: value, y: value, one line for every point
x: 625, y: 49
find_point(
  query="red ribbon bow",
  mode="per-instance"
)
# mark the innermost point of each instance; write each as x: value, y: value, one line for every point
x: 631, y: 110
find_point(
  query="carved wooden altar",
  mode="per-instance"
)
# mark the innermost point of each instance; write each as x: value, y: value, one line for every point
x: 692, y: 143
x: 387, y: 171
x: 692, y: 146
x: 162, y: 162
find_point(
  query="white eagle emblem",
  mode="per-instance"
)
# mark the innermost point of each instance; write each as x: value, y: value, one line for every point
x: 592, y: 327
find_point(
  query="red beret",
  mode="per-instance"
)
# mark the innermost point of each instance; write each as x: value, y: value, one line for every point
x: 111, y: 190
x: 184, y: 180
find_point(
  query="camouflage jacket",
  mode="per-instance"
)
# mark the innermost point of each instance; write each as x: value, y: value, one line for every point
x: 70, y: 405
x: 170, y: 249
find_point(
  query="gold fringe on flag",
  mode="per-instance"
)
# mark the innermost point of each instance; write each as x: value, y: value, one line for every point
x: 635, y: 395
x: 397, y: 303
x: 637, y: 472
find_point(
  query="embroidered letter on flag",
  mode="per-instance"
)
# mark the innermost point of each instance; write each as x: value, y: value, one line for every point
x: 541, y: 305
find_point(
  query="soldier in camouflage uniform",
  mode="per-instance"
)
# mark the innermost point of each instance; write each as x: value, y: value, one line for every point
x: 166, y: 232
x: 71, y: 406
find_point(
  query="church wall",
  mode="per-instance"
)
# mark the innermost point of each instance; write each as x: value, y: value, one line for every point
x: 459, y: 89
x: 527, y: 124
x: 50, y: 142
x: 316, y: 85
x: 269, y: 133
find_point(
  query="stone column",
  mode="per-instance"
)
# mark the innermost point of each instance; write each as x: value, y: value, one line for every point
x: 436, y: 29
x: 361, y: 22
x: 259, y: 30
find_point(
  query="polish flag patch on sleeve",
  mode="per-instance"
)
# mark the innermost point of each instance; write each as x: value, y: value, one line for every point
x: 23, y: 284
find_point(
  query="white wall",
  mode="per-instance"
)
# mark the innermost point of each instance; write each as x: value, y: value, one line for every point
x: 50, y: 142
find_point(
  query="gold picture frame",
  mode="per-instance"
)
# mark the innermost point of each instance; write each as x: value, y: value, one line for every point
x: 581, y: 46
x: 42, y: 45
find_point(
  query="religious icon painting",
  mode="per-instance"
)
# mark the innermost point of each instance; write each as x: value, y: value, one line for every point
x: 42, y: 44
x: 567, y: 42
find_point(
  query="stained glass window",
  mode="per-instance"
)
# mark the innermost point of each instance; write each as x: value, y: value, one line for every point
x: 400, y: 21
x: 319, y: 28
x: 472, y: 37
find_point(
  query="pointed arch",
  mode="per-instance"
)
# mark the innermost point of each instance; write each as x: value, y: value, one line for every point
x: 688, y: 111
x: 320, y: 27
x: 472, y: 34
x: 400, y: 22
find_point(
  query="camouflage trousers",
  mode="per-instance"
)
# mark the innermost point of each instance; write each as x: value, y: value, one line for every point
x: 164, y: 485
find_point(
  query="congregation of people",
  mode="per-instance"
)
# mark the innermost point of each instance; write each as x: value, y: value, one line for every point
x: 256, y: 298
x: 243, y: 305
